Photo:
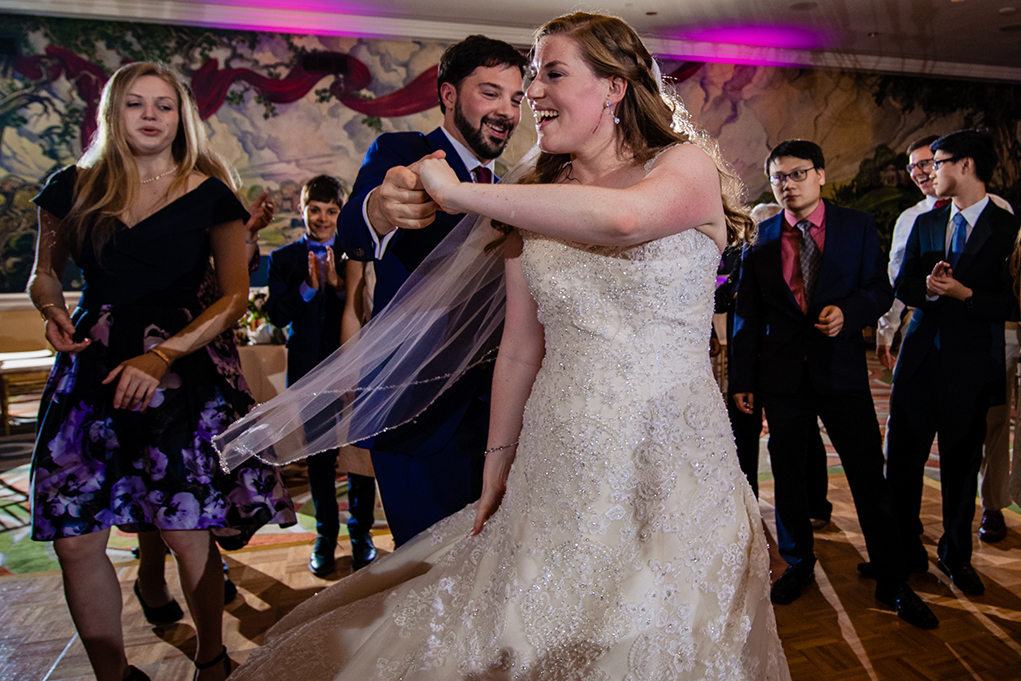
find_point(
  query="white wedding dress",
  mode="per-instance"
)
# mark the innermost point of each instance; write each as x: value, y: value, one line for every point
x: 628, y: 546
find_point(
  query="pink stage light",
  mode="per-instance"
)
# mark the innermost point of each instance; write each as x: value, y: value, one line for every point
x: 769, y: 36
x: 315, y: 6
x: 318, y: 17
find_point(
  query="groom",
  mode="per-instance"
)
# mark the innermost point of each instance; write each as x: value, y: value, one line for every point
x: 432, y: 467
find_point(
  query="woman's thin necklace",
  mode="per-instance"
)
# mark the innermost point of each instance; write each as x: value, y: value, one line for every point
x: 153, y: 179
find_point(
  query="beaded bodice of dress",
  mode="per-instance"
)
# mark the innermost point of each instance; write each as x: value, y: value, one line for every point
x: 641, y: 311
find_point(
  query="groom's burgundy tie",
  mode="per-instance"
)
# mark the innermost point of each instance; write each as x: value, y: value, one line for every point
x: 482, y: 175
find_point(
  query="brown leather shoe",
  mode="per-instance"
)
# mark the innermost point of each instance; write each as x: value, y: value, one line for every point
x: 993, y: 527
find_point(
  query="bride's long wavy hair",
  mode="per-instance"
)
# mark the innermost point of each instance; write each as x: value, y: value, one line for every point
x: 108, y: 183
x: 651, y: 118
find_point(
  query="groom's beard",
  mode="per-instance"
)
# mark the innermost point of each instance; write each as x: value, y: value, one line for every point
x: 482, y: 145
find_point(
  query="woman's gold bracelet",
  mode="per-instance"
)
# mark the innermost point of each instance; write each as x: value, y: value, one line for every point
x: 46, y: 306
x: 162, y: 355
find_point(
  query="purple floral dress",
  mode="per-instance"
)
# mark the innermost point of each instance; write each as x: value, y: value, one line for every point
x: 95, y: 466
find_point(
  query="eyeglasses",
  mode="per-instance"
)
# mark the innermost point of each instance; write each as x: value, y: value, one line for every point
x: 924, y: 165
x: 798, y: 175
x: 937, y: 162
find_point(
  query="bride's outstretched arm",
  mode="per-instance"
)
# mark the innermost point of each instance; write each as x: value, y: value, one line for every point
x: 521, y: 351
x: 682, y: 191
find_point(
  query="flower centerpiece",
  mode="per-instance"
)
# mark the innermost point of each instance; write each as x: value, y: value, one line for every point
x: 254, y: 327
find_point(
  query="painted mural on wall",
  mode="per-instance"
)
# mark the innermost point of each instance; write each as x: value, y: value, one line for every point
x: 282, y: 108
x: 863, y: 122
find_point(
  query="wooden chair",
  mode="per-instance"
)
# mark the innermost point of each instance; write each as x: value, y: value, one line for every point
x: 21, y: 373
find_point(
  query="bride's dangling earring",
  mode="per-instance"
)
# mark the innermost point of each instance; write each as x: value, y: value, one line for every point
x: 609, y: 110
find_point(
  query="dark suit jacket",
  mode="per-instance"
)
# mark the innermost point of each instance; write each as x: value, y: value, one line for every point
x: 971, y: 338
x: 315, y: 325
x: 460, y: 415
x: 775, y: 343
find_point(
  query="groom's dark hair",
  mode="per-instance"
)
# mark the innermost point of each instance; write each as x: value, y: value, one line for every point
x: 460, y: 59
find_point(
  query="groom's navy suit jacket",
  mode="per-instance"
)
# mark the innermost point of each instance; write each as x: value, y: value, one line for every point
x: 409, y: 247
x: 971, y: 338
x: 455, y: 427
x: 775, y: 343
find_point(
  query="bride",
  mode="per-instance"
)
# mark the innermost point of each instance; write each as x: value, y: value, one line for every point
x: 616, y: 537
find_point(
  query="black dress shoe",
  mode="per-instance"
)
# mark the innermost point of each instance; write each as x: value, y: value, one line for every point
x: 136, y: 674
x: 918, y: 567
x: 322, y: 562
x: 168, y: 613
x: 788, y: 588
x: 363, y: 551
x: 964, y: 578
x: 993, y: 527
x: 908, y: 605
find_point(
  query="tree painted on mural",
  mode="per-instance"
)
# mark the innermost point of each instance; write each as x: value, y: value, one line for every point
x: 881, y: 187
x: 993, y: 106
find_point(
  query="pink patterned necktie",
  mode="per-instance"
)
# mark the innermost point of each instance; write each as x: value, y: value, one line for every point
x: 811, y: 259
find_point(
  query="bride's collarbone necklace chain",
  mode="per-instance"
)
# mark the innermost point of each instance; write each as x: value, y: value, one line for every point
x: 568, y: 171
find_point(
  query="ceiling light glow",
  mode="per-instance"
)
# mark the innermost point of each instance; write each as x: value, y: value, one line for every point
x: 758, y: 35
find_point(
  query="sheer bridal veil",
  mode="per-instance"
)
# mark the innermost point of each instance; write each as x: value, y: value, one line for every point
x: 444, y: 320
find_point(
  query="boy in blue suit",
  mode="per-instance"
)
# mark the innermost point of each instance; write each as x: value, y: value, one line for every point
x: 950, y: 370
x: 306, y: 291
x: 813, y: 279
x: 431, y: 468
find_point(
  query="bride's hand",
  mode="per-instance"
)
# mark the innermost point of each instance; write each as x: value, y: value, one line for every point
x: 438, y: 178
x: 494, y: 484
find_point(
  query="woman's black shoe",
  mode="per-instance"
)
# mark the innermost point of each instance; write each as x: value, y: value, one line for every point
x: 230, y: 590
x: 222, y: 657
x: 165, y: 614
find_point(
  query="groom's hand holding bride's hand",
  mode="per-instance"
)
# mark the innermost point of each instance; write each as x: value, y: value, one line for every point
x: 400, y: 202
x: 438, y: 178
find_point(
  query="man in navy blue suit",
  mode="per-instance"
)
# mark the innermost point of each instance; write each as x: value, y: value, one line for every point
x: 432, y: 467
x: 950, y: 370
x: 813, y: 279
x: 306, y: 291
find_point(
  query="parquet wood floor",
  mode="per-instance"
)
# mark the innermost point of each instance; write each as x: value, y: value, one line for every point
x: 835, y: 632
